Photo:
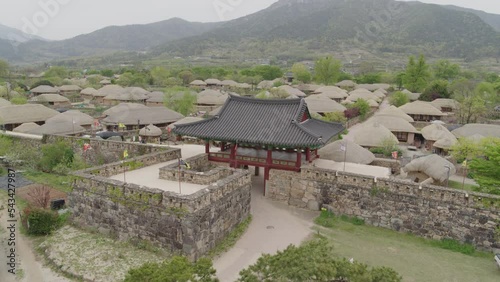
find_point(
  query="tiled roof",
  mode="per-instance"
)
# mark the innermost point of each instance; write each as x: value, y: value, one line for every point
x: 263, y: 122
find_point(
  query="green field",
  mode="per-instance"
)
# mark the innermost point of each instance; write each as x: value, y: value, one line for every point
x: 416, y: 259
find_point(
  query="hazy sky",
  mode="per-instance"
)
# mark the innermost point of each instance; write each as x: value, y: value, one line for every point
x: 61, y: 19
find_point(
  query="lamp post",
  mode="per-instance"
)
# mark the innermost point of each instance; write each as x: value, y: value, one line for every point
x: 448, y: 175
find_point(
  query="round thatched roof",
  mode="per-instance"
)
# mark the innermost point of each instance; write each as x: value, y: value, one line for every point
x: 421, y: 108
x: 334, y: 94
x: 432, y: 165
x: 394, y: 124
x: 58, y: 127
x: 308, y: 87
x: 486, y: 130
x: 373, y: 103
x: 26, y: 127
x: 184, y: 121
x: 143, y: 116
x: 379, y: 94
x: 198, y: 83
x: 18, y: 114
x: 329, y: 89
x: 323, y: 105
x: 213, y: 81
x: 150, y: 131
x: 475, y: 138
x: 137, y: 91
x: 346, y: 84
x: 89, y: 91
x: 105, y: 82
x: 373, y: 87
x: 44, y: 89
x: 69, y: 88
x: 292, y: 91
x: 266, y: 84
x: 372, y: 135
x: 446, y: 103
x: 72, y: 116
x: 243, y: 85
x: 445, y: 143
x: 211, y: 97
x: 4, y: 102
x: 352, y: 152
x: 435, y: 132
x: 109, y: 89
x: 123, y: 107
x: 394, y: 111
x: 362, y: 94
x: 230, y: 83
x: 52, y: 98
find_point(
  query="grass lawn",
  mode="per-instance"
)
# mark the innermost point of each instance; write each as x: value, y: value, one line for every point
x: 60, y: 182
x: 458, y: 185
x: 414, y: 258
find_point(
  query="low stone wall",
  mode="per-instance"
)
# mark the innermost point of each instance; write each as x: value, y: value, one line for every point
x: 187, y: 224
x: 201, y: 171
x: 394, y: 165
x: 427, y: 211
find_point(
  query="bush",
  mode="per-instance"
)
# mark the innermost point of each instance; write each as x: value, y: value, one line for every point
x: 57, y: 156
x: 399, y: 99
x: 335, y: 117
x: 41, y: 222
x: 351, y: 113
x: 362, y: 106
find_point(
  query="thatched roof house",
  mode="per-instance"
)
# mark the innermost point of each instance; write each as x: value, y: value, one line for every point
x: 198, y: 83
x: 150, y: 131
x: 402, y: 129
x: 433, y: 166
x: 51, y: 99
x: 58, y: 128
x: 228, y: 83
x: 210, y: 98
x: 413, y: 96
x: 69, y: 89
x: 107, y: 90
x: 74, y: 116
x: 292, y: 91
x: 155, y: 99
x: 133, y: 118
x: 323, y: 105
x: 347, y: 84
x: 215, y: 112
x: 372, y: 135
x: 212, y: 82
x: 88, y: 93
x: 362, y: 94
x: 445, y: 143
x: 380, y: 94
x: 243, y: 86
x: 4, y: 102
x: 335, y: 95
x: 26, y: 127
x: 486, y: 130
x: 265, y: 84
x: 352, y: 152
x: 435, y: 132
x: 123, y: 107
x: 422, y: 111
x: 129, y: 94
x: 308, y: 88
x: 372, y: 103
x: 446, y: 105
x: 44, y: 89
x: 373, y: 87
x: 394, y: 111
x: 105, y: 82
x: 15, y: 115
x: 185, y: 121
x: 323, y: 89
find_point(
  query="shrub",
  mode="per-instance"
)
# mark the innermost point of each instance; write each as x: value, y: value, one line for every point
x: 351, y: 113
x: 363, y: 106
x: 41, y: 221
x: 335, y: 117
x: 399, y: 99
x: 57, y: 156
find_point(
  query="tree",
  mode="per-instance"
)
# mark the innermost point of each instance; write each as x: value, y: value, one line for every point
x: 465, y: 149
x: 301, y: 73
x: 445, y: 70
x: 4, y: 69
x: 399, y: 99
x: 181, y: 100
x: 178, y: 269
x: 268, y: 72
x: 327, y: 70
x: 472, y: 105
x: 388, y: 146
x: 160, y: 76
x: 53, y: 155
x: 370, y: 78
x: 486, y: 168
x: 313, y: 261
x: 56, y: 72
x: 363, y: 107
x: 417, y: 75
x: 335, y: 117
x: 436, y: 90
x: 133, y: 79
x: 186, y: 76
x: 42, y: 82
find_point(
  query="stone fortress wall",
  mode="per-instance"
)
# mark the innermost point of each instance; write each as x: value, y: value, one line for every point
x: 427, y: 211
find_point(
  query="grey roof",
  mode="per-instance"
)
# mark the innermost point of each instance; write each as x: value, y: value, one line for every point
x: 53, y: 98
x: 143, y: 116
x: 73, y: 116
x: 59, y: 127
x: 184, y: 121
x: 26, y: 113
x: 26, y: 127
x: 4, y: 102
x: 264, y: 122
x: 150, y: 131
x: 45, y: 89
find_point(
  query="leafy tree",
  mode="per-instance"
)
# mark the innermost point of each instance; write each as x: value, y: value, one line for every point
x: 181, y: 100
x: 472, y: 104
x: 313, y: 261
x: 54, y: 155
x: 486, y: 169
x: 133, y: 79
x: 327, y: 70
x: 400, y: 80
x: 42, y: 82
x: 159, y: 76
x: 186, y: 76
x: 465, y: 149
x: 173, y: 81
x: 417, y: 75
x: 445, y: 70
x: 56, y: 72
x: 301, y: 73
x: 178, y: 269
x: 19, y: 100
x: 268, y: 72
x: 369, y: 78
x: 437, y: 89
x: 4, y: 69
x: 363, y: 107
x: 387, y: 146
x: 399, y: 99
x: 107, y: 73
x: 335, y: 117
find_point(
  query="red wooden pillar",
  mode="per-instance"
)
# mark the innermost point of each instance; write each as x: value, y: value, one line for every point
x: 316, y: 153
x: 299, y: 159
x: 308, y: 155
x: 207, y: 147
x: 233, y: 156
x: 222, y: 146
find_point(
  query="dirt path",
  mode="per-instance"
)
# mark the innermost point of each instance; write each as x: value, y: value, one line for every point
x: 29, y: 269
x: 274, y: 227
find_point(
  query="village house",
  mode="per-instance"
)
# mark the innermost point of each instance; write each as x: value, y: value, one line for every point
x: 68, y: 90
x: 44, y: 89
x: 422, y: 111
x: 52, y: 100
x: 446, y: 105
x: 402, y: 129
x: 323, y: 105
x: 15, y: 115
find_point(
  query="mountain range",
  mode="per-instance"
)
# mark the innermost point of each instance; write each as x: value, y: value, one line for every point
x: 289, y: 29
